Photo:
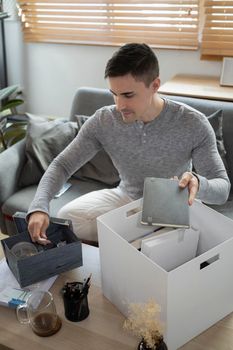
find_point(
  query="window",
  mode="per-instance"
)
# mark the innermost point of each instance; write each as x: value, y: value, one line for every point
x: 217, y: 40
x: 159, y: 23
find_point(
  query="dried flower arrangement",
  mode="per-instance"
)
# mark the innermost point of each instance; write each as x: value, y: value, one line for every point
x: 143, y: 321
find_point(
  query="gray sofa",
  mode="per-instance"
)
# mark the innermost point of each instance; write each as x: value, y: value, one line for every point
x: 16, y: 197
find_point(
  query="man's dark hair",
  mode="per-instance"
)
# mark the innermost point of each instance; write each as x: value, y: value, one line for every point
x: 136, y: 59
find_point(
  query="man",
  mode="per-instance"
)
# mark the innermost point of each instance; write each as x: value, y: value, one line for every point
x: 145, y: 135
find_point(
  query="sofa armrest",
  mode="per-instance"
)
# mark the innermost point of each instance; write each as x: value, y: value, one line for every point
x: 11, y: 163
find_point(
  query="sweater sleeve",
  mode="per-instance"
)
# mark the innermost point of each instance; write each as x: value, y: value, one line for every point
x: 214, y: 184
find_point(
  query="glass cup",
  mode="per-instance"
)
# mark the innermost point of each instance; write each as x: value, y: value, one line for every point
x: 40, y: 312
x: 24, y: 249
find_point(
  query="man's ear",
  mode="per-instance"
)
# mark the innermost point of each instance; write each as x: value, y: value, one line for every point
x: 155, y: 84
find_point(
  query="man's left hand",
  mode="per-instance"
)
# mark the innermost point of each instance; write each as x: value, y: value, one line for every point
x: 190, y: 180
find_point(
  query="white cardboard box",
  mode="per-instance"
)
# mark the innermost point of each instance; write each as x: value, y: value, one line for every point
x: 192, y: 296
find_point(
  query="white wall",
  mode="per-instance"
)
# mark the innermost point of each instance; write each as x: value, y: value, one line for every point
x: 51, y: 73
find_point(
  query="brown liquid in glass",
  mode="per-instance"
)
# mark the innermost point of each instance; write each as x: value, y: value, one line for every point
x: 46, y: 324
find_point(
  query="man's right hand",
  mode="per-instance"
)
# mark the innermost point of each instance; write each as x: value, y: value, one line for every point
x: 37, y: 226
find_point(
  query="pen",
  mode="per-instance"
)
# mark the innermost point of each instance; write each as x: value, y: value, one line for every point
x: 72, y: 290
x: 86, y: 285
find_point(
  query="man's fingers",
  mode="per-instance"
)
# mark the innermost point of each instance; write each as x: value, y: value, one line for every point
x: 193, y: 188
x: 43, y: 241
x: 190, y: 180
x: 43, y: 237
x: 185, y: 179
x: 34, y: 230
x: 37, y: 226
x: 174, y: 178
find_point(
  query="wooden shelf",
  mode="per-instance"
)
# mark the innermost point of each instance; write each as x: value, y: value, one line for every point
x: 197, y: 86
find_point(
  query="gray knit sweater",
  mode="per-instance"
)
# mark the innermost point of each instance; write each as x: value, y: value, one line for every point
x: 179, y: 138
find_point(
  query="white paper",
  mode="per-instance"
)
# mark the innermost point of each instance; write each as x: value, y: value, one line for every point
x: 10, y: 288
x: 172, y: 249
x: 137, y: 243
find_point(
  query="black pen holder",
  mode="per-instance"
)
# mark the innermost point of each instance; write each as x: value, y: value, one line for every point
x: 76, y: 307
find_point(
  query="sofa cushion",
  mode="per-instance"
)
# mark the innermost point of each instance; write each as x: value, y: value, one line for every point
x: 216, y: 121
x: 46, y: 139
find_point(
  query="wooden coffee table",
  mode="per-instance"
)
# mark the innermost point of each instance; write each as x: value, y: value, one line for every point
x: 102, y: 329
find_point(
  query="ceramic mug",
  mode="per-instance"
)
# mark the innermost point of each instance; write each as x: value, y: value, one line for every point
x: 40, y: 312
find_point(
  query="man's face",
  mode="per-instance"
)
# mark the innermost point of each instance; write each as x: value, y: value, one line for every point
x: 132, y: 98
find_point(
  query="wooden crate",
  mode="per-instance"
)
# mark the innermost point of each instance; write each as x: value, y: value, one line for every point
x: 50, y: 260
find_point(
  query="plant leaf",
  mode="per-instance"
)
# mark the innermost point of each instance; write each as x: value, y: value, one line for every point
x: 11, y: 104
x: 11, y: 136
x: 6, y: 92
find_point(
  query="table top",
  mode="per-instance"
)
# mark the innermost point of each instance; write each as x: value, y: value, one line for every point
x: 102, y: 329
x: 197, y: 86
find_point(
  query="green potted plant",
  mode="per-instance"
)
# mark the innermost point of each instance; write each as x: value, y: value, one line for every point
x: 12, y: 124
x: 143, y: 321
